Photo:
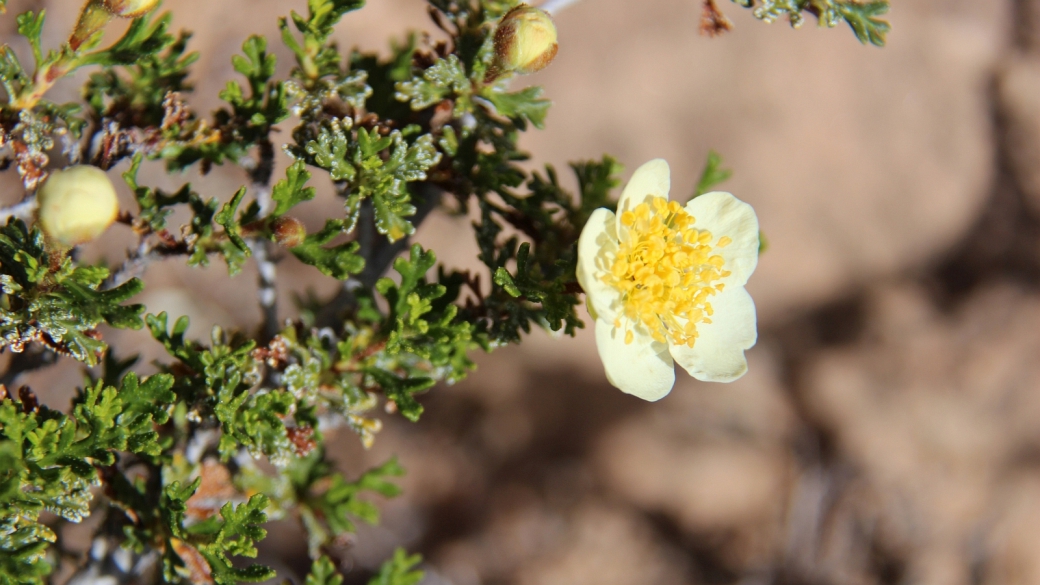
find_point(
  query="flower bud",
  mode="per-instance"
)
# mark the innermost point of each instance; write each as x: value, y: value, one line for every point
x: 288, y: 231
x: 129, y: 8
x: 97, y: 13
x: 525, y: 41
x: 77, y: 204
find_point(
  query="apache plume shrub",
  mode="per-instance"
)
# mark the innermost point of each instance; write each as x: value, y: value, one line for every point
x: 171, y: 460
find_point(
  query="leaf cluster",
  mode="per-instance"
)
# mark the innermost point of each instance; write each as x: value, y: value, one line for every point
x: 533, y: 280
x: 133, y: 95
x: 219, y: 383
x: 139, y: 45
x: 46, y: 297
x: 397, y: 570
x: 425, y: 338
x: 369, y: 165
x: 862, y: 16
x: 327, y: 502
x: 202, y: 236
x: 315, y: 56
x: 50, y: 460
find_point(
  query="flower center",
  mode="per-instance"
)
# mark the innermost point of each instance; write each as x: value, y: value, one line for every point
x: 666, y: 271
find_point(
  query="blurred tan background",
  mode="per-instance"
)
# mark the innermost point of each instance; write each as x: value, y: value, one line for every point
x: 889, y: 429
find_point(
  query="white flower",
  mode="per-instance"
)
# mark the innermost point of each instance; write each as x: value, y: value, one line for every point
x: 666, y: 283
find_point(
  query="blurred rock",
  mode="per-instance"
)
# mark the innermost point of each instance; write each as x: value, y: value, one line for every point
x: 606, y: 546
x: 1027, y: 25
x: 1018, y: 89
x: 1013, y: 544
x: 933, y: 411
x: 595, y: 543
x: 712, y: 458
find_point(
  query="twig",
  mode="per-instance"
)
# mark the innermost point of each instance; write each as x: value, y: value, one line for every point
x: 134, y: 265
x: 268, y: 293
x: 378, y: 253
x: 367, y: 244
x: 426, y: 199
x: 263, y: 250
x: 22, y: 210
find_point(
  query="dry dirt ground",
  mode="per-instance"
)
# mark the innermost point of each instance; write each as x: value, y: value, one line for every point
x: 889, y: 429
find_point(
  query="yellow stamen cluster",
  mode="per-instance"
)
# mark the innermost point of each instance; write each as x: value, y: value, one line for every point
x: 666, y: 271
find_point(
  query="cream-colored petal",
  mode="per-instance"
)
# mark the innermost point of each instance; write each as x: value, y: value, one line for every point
x: 718, y: 353
x: 653, y: 179
x: 597, y: 247
x: 724, y: 215
x: 642, y: 368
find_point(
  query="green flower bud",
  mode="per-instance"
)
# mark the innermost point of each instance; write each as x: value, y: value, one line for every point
x: 77, y: 204
x: 288, y: 231
x: 525, y: 41
x: 129, y: 8
x: 97, y: 13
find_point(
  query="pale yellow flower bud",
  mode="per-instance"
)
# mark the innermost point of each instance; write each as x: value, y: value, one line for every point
x: 77, y: 204
x: 525, y: 41
x: 129, y: 8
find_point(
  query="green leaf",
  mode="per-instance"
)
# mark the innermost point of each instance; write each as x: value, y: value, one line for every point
x: 48, y: 460
x: 504, y: 280
x: 267, y: 103
x: 29, y: 485
x: 144, y: 405
x: 45, y: 298
x: 712, y: 175
x: 423, y: 323
x: 254, y: 421
x: 437, y: 82
x: 12, y: 75
x: 316, y: 57
x: 401, y: 391
x: 399, y: 570
x: 860, y: 15
x: 522, y: 106
x: 413, y: 275
x: 258, y: 65
x: 30, y: 26
x: 330, y: 150
x: 324, y: 14
x: 376, y: 167
x: 596, y: 182
x: 154, y: 205
x: 863, y: 18
x: 221, y: 381
x: 323, y: 572
x: 235, y: 534
x: 386, y: 182
x: 340, y: 261
x: 143, y: 38
x: 140, y: 89
x: 329, y: 502
x: 292, y: 190
x: 226, y: 219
